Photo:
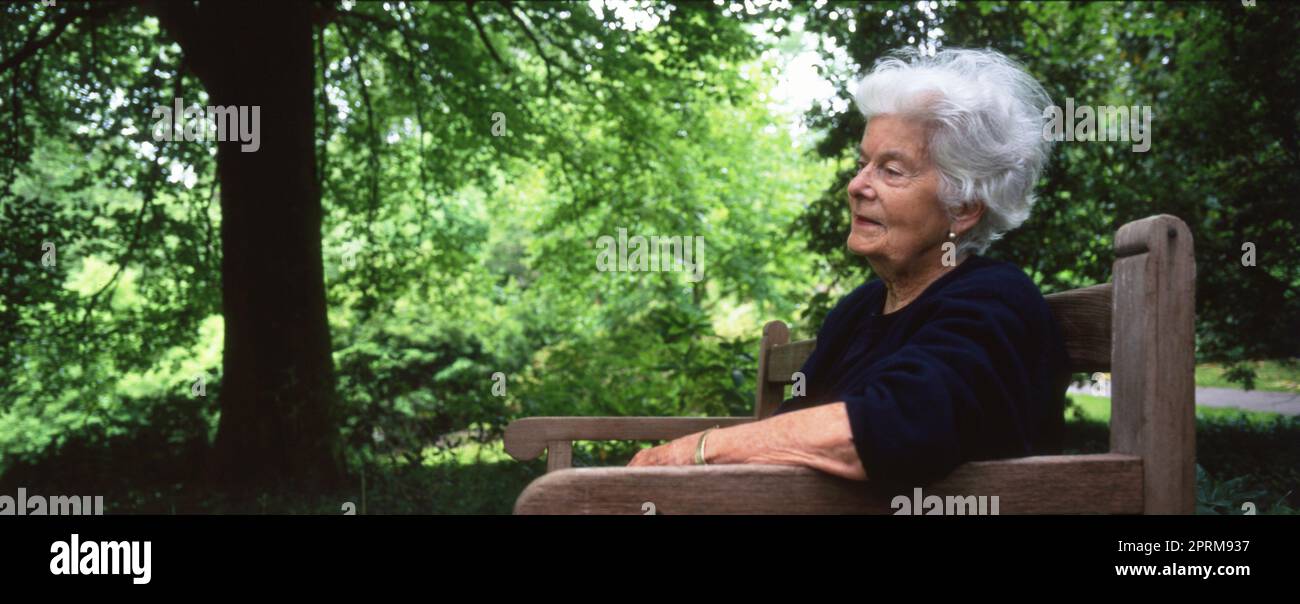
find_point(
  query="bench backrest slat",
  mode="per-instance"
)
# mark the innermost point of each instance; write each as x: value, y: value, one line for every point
x: 1083, y: 315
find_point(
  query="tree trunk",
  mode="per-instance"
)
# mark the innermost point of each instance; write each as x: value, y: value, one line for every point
x: 278, y: 402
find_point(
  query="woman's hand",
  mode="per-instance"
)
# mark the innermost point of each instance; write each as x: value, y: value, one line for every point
x: 679, y: 452
x: 818, y: 437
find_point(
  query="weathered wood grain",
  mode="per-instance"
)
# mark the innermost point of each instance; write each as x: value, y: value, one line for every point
x: 559, y: 455
x: 527, y: 438
x: 1076, y: 484
x: 1084, y: 316
x: 770, y: 389
x: 1153, y: 385
x: 787, y: 359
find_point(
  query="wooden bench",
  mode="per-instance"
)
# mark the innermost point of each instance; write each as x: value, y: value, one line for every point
x: 1139, y: 327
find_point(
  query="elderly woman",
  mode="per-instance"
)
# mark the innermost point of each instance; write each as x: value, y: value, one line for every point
x: 948, y: 356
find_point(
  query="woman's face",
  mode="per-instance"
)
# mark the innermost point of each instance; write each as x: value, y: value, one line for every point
x: 897, y: 216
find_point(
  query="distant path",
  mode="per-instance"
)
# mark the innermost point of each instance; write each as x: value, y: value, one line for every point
x: 1286, y: 403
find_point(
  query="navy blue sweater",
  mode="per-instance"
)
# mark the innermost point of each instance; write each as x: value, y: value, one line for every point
x: 974, y: 368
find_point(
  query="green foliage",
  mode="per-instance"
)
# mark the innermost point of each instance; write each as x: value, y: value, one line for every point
x: 1240, y: 373
x: 1281, y: 375
x: 451, y: 254
x: 1231, y: 497
x: 1222, y: 82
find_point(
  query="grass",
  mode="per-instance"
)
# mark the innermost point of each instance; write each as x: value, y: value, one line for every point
x: 1279, y: 375
x: 1086, y: 407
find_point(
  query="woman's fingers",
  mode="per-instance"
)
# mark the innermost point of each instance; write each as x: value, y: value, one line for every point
x: 662, y: 455
x: 647, y: 457
x: 644, y: 457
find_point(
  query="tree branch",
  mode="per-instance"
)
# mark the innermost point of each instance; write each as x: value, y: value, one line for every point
x: 372, y: 137
x: 580, y: 78
x: 181, y: 21
x: 482, y: 35
x: 34, y: 45
x: 329, y: 14
x: 550, y: 81
x: 372, y: 140
x: 417, y: 99
x: 122, y: 261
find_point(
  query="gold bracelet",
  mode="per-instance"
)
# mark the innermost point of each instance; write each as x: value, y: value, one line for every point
x: 699, y: 449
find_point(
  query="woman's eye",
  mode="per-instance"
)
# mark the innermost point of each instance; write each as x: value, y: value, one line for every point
x: 890, y: 171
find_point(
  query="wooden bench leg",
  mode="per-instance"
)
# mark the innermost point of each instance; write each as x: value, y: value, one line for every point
x: 559, y: 455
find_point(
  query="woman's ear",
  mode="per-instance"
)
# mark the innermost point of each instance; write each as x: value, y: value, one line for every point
x: 967, y: 215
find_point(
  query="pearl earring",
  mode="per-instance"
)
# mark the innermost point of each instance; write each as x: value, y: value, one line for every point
x: 952, y: 235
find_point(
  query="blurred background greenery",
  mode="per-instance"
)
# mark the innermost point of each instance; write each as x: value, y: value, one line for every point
x: 449, y: 253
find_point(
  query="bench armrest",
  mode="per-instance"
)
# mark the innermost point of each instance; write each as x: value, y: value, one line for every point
x: 526, y: 438
x: 1065, y: 484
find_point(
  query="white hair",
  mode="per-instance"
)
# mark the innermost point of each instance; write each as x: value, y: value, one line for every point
x: 985, y: 118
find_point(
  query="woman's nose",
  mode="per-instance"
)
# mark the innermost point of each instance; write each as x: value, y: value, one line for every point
x: 860, y: 187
